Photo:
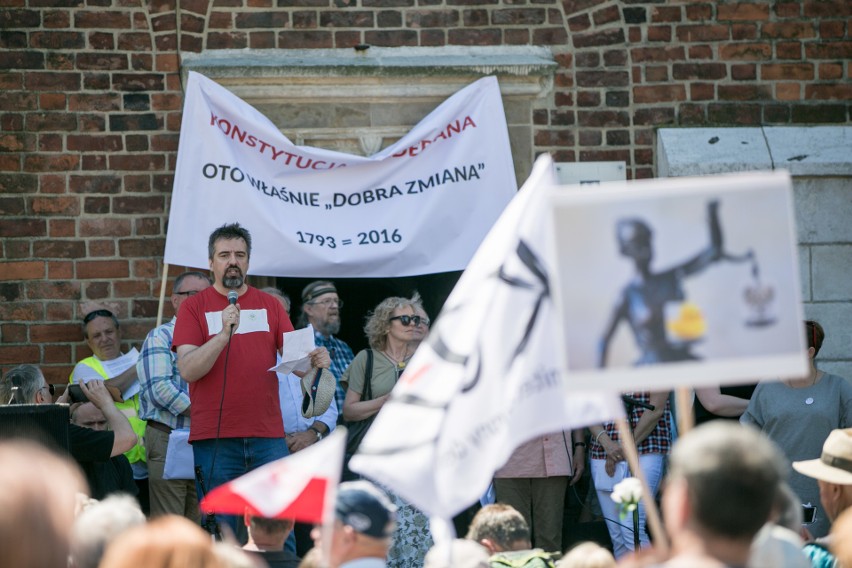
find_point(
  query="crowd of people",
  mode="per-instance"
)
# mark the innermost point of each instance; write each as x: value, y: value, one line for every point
x: 120, y: 498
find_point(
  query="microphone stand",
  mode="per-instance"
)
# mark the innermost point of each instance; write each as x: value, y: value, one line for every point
x: 629, y: 402
x: 209, y: 522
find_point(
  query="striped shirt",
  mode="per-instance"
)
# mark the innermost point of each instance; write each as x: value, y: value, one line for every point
x: 164, y: 395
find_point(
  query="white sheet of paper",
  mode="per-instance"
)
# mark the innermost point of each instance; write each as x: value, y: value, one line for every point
x: 297, y: 345
x: 250, y: 321
x: 180, y: 463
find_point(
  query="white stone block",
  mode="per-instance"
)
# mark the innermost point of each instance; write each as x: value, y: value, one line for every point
x: 832, y: 273
x: 823, y: 210
x: 811, y: 150
x: 703, y: 151
x: 835, y: 318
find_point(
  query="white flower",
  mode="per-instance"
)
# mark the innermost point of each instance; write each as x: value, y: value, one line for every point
x: 627, y: 494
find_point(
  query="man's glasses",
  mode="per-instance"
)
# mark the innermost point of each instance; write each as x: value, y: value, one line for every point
x: 328, y: 302
x: 51, y: 388
x: 187, y: 293
x: 408, y: 320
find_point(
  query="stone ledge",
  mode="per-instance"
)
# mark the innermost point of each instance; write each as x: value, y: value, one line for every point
x: 376, y: 73
x: 817, y: 151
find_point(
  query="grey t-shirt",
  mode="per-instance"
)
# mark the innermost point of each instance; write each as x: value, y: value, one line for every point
x: 799, y: 420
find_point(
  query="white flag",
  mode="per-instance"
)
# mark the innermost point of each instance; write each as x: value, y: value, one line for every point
x: 489, y: 377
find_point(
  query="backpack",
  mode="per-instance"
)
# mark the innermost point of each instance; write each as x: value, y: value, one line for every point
x: 535, y: 558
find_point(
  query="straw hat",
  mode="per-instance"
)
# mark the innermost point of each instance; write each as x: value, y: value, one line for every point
x: 317, y: 392
x: 835, y: 464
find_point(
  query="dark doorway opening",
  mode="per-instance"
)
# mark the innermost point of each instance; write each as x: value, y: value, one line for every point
x: 361, y: 295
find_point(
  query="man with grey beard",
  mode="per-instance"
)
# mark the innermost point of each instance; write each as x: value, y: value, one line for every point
x: 228, y: 335
x: 321, y: 308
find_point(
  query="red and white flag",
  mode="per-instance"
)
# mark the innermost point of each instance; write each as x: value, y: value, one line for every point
x: 302, y: 486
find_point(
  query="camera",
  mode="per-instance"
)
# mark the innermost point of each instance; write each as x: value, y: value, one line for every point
x: 808, y: 514
x: 77, y: 394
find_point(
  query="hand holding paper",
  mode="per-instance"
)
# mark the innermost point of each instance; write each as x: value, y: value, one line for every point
x: 295, y: 355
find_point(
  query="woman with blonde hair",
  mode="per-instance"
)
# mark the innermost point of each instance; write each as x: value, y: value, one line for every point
x: 371, y: 376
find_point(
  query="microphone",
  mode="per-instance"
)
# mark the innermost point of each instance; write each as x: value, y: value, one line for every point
x: 232, y: 300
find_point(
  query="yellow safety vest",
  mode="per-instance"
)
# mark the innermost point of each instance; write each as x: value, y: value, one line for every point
x: 129, y: 408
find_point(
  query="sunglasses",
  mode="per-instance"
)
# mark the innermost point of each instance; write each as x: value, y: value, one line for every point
x: 51, y: 388
x: 408, y: 320
x: 187, y: 293
x: 97, y: 314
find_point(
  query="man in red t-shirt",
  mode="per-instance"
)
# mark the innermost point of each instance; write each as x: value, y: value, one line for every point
x: 225, y: 352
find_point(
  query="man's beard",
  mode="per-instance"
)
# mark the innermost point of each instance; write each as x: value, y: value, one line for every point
x: 329, y: 327
x: 233, y: 282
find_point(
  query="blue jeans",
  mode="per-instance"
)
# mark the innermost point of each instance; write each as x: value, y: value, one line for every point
x: 235, y: 457
x: 621, y: 531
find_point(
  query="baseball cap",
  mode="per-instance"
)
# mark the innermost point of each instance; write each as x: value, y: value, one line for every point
x: 365, y: 508
x: 835, y: 463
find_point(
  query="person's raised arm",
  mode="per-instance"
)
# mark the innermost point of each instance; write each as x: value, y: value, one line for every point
x: 124, y: 436
x: 356, y: 409
x: 195, y: 361
x: 715, y: 402
x: 648, y: 421
x: 123, y: 381
x: 714, y: 251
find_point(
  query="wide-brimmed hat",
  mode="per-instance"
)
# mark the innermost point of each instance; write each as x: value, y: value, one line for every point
x: 317, y: 392
x: 835, y: 463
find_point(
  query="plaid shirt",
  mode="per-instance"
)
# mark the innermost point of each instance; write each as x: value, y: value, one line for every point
x: 164, y: 395
x: 659, y: 441
x: 341, y: 355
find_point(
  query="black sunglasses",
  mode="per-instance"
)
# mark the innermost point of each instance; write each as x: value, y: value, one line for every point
x: 97, y: 314
x: 407, y: 320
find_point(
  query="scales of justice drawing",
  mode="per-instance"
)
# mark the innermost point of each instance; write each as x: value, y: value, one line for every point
x: 663, y: 322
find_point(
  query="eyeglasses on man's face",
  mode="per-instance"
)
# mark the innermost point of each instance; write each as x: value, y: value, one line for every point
x: 50, y: 387
x: 188, y: 293
x: 327, y: 302
x: 408, y: 320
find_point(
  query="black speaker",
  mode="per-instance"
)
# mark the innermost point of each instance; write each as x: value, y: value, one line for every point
x: 46, y: 424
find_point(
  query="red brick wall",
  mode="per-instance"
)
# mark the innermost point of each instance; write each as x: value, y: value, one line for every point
x: 90, y: 105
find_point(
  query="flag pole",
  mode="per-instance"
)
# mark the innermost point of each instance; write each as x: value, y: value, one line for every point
x: 628, y: 444
x: 685, y: 416
x: 162, y: 293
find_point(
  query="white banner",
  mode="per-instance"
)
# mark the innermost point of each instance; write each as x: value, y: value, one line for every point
x: 489, y: 377
x: 420, y: 206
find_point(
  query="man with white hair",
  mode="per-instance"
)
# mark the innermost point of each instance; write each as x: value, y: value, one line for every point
x: 25, y: 384
x: 99, y: 524
x: 321, y: 307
